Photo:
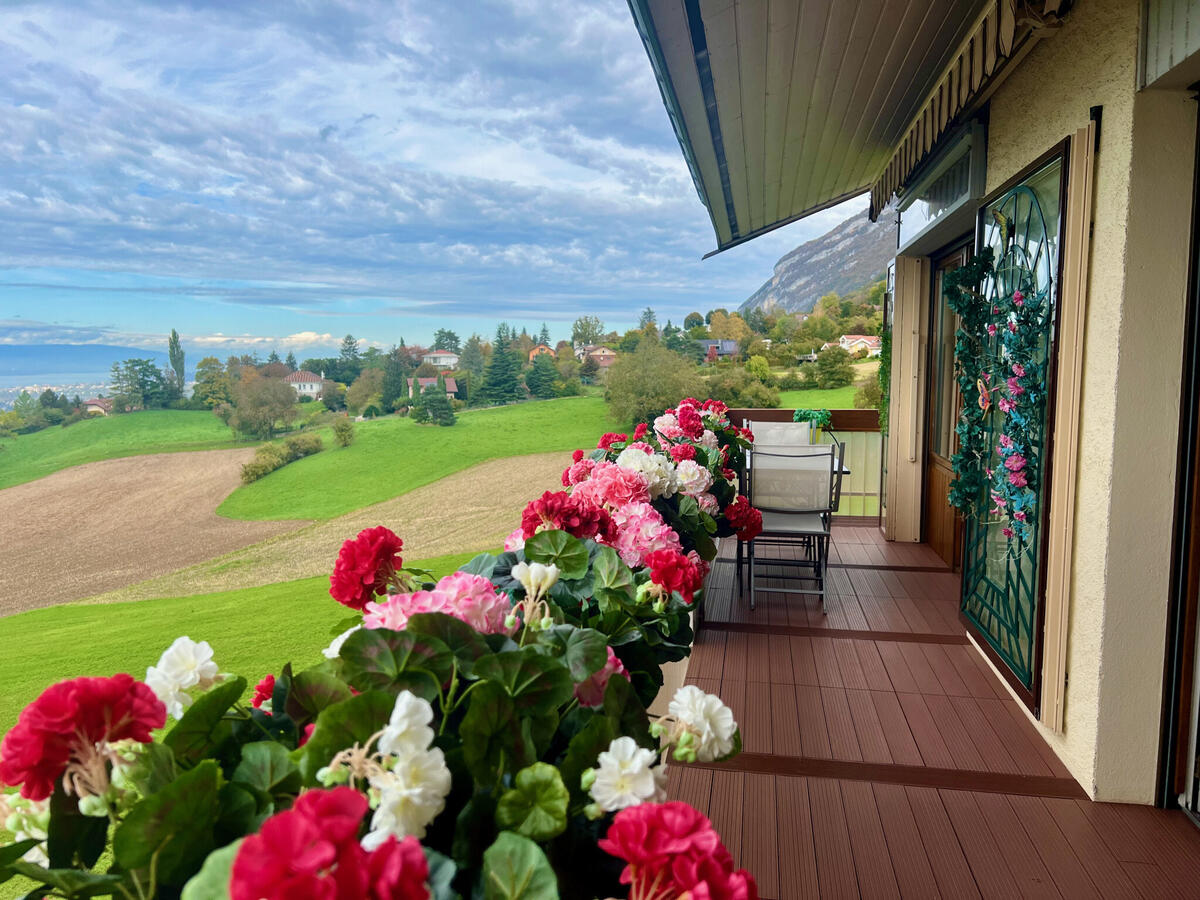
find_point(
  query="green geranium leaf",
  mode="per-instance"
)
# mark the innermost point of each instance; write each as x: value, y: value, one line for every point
x: 492, y: 738
x: 73, y: 839
x: 242, y: 809
x: 173, y: 827
x: 441, y: 876
x: 312, y: 691
x: 537, y: 683
x: 515, y: 868
x: 560, y: 549
x: 614, y: 579
x: 204, y: 727
x: 13, y: 852
x: 592, y: 740
x: 474, y: 830
x: 155, y: 768
x: 465, y: 642
x: 483, y: 564
x: 627, y: 712
x: 70, y: 882
x: 341, y: 726
x: 394, y: 661
x: 212, y: 881
x: 737, y: 747
x: 268, y: 766
x: 536, y: 806
x: 584, y: 650
x: 344, y: 625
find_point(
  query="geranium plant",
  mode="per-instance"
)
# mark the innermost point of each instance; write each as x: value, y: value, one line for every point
x: 470, y: 736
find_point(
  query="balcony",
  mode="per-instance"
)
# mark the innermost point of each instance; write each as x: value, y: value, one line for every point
x: 884, y: 758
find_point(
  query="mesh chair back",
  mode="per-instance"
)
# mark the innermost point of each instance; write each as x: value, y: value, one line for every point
x: 789, y: 434
x: 795, y: 479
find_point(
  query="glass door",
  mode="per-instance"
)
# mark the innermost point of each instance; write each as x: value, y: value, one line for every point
x: 1012, y: 355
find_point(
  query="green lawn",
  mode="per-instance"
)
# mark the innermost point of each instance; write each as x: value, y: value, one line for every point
x: 252, y: 632
x: 31, y: 456
x: 392, y: 456
x: 832, y: 398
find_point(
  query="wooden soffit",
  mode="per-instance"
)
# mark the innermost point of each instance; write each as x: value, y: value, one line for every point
x: 785, y: 107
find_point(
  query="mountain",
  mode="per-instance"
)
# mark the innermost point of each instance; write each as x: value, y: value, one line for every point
x: 61, y: 359
x: 844, y: 259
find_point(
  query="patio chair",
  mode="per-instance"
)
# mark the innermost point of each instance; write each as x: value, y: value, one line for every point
x: 797, y: 489
x: 770, y: 434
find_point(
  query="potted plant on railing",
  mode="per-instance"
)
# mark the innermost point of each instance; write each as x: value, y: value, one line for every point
x: 817, y: 419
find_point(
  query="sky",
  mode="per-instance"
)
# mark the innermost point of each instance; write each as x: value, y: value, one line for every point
x: 276, y: 175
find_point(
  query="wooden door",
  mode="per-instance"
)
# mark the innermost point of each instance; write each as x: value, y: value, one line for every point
x: 942, y: 524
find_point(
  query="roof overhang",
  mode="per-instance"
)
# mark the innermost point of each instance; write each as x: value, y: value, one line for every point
x: 786, y: 107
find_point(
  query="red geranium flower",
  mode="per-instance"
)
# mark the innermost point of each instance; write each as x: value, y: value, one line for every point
x: 69, y: 725
x: 611, y: 438
x: 673, y: 571
x: 680, y: 452
x: 640, y: 431
x: 690, y: 421
x: 744, y: 519
x: 263, y: 691
x: 312, y: 850
x: 364, y: 566
x: 566, y: 513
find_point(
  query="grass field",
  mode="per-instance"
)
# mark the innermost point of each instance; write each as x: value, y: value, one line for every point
x: 392, y: 456
x: 31, y: 456
x: 252, y: 632
x: 833, y: 398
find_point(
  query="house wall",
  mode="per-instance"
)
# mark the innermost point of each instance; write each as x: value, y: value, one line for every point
x: 1131, y: 371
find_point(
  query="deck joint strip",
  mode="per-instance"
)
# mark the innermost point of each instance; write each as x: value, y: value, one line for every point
x: 907, y: 637
x: 893, y: 773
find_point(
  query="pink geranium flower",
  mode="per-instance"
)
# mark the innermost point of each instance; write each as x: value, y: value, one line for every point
x: 590, y: 691
x: 470, y: 598
x: 640, y: 531
x: 613, y: 486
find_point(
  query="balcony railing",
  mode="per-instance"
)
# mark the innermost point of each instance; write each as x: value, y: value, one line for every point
x: 858, y: 430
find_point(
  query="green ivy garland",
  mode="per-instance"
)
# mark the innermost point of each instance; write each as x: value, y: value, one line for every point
x: 999, y: 360
x: 885, y: 379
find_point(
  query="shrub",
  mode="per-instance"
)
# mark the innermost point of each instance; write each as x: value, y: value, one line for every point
x: 833, y: 368
x: 868, y: 395
x: 790, y: 381
x: 305, y: 398
x: 267, y: 459
x: 372, y: 412
x: 301, y: 445
x: 343, y: 431
x: 648, y: 381
x: 738, y: 388
x: 760, y: 369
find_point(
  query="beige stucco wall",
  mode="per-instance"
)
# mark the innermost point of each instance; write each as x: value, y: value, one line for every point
x: 1132, y: 364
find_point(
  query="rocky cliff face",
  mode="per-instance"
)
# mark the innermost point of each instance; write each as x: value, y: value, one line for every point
x: 846, y: 258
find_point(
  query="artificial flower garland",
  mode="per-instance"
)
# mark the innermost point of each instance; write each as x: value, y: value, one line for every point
x: 1000, y: 361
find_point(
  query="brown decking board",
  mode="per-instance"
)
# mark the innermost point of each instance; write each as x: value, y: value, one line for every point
x: 883, y: 758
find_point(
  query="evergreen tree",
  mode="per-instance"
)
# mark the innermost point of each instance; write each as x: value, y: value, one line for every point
x: 541, y: 377
x: 589, y: 370
x: 445, y: 339
x: 26, y: 405
x: 544, y: 336
x: 504, y: 337
x: 349, y: 364
x: 395, y: 382
x: 274, y: 357
x: 471, y: 359
x: 648, y: 320
x: 436, y: 404
x: 175, y: 354
x: 500, y: 381
x: 290, y: 362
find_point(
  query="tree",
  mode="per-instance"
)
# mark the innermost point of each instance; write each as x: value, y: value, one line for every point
x: 500, y: 381
x: 25, y: 405
x: 367, y: 389
x: 708, y: 317
x: 290, y: 362
x: 274, y: 357
x: 427, y: 370
x: 333, y: 395
x: 692, y: 320
x: 175, y: 355
x: 259, y: 404
x: 727, y: 327
x: 630, y: 341
x: 504, y: 336
x: 833, y: 368
x: 544, y: 335
x: 349, y: 360
x: 212, y: 383
x: 759, y: 368
x: 756, y: 321
x: 137, y: 384
x: 647, y: 319
x: 444, y: 339
x: 587, y: 330
x: 471, y: 359
x: 393, y: 391
x: 541, y: 377
x: 649, y: 380
x: 435, y: 405
x: 589, y: 370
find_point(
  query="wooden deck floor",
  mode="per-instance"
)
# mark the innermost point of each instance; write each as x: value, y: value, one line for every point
x: 882, y: 757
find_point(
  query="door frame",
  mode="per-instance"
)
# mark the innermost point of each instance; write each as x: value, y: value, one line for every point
x: 963, y: 244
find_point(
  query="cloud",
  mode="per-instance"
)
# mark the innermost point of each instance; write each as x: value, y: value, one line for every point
x: 353, y: 159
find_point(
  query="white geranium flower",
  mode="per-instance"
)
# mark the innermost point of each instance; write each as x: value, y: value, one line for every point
x: 709, y: 440
x: 707, y: 719
x: 184, y: 665
x: 659, y: 471
x: 408, y: 729
x: 625, y: 776
x: 536, y: 578
x: 693, y: 479
x: 332, y: 651
x: 410, y: 796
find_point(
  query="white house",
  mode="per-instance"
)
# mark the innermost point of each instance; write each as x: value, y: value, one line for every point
x: 443, y: 359
x: 856, y: 343
x: 306, y: 384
